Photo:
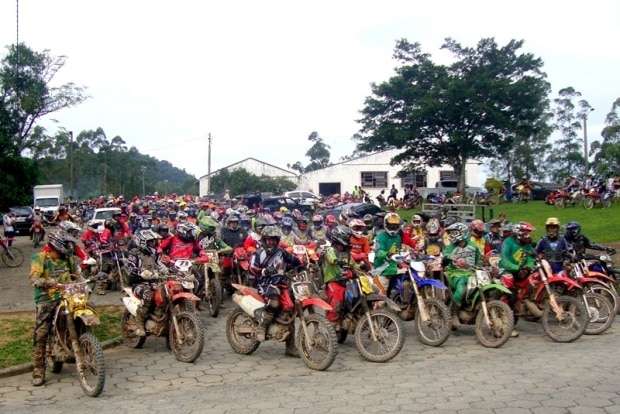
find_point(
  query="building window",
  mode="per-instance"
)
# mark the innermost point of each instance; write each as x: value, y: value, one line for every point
x: 374, y: 179
x: 447, y: 175
x: 417, y: 180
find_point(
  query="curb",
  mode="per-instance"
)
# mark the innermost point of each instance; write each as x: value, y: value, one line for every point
x: 27, y: 367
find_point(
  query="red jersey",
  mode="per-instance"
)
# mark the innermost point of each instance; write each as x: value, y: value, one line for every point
x: 178, y: 249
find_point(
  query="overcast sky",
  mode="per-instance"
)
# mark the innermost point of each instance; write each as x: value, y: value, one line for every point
x: 261, y: 75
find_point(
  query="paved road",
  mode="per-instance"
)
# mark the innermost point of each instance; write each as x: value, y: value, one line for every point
x: 529, y: 374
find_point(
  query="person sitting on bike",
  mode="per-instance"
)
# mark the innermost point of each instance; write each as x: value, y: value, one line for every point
x: 369, y: 232
x: 318, y: 231
x: 387, y: 243
x: 209, y: 239
x: 359, y: 244
x: 232, y: 233
x: 413, y: 235
x: 62, y: 215
x: 336, y: 256
x: 303, y: 234
x: 90, y: 237
x: 184, y: 244
x: 269, y: 264
x: 433, y: 238
x: 477, y: 230
x: 494, y: 236
x: 122, y: 230
x: 580, y: 242
x: 52, y: 265
x: 142, y: 267
x: 289, y: 238
x: 461, y: 256
x: 37, y: 222
x: 552, y: 246
x: 74, y: 231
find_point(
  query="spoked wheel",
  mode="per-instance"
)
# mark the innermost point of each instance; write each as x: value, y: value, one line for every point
x: 36, y: 239
x: 501, y: 324
x: 12, y: 256
x: 588, y: 203
x: 601, y: 313
x: 92, y: 374
x: 128, y: 326
x: 609, y: 291
x: 568, y: 326
x: 390, y: 336
x: 318, y: 350
x: 214, y: 296
x: 436, y: 329
x: 241, y: 332
x: 560, y: 203
x: 188, y: 343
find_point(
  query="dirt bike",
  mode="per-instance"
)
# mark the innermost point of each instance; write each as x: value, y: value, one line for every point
x: 371, y: 317
x: 564, y: 198
x: 602, y: 267
x: 551, y: 299
x: 173, y: 316
x: 485, y: 308
x: 207, y: 271
x: 416, y: 297
x: 38, y: 233
x: 71, y: 337
x: 593, y: 198
x: 117, y: 275
x: 316, y: 337
x: 10, y: 256
x: 308, y: 256
x: 241, y: 265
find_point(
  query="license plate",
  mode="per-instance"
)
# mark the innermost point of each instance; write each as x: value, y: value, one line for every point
x: 20, y: 219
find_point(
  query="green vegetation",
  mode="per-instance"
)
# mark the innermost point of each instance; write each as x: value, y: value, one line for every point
x: 241, y: 181
x: 600, y: 225
x: 16, y: 333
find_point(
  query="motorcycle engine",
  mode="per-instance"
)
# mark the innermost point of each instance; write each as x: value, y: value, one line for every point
x: 155, y: 328
x: 278, y: 332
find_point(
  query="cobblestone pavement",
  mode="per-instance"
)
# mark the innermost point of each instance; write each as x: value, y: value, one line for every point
x: 530, y: 374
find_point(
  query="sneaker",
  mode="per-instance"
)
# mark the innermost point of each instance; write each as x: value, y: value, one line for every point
x: 139, y: 332
x: 514, y: 333
x: 38, y: 377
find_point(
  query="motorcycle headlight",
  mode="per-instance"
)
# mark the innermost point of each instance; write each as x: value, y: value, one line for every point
x: 187, y: 284
x: 78, y: 301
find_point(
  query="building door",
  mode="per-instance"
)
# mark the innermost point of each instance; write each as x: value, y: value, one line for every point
x: 327, y: 189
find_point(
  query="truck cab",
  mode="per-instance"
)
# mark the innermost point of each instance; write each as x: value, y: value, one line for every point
x: 48, y: 198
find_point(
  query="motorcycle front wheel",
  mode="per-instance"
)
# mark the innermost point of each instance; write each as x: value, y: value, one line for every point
x: 187, y: 346
x: 601, y: 313
x: 241, y: 332
x: 128, y: 332
x: 92, y: 374
x: 573, y: 322
x: 318, y: 350
x: 12, y: 256
x: 588, y: 203
x: 390, y: 336
x: 436, y: 330
x: 502, y: 322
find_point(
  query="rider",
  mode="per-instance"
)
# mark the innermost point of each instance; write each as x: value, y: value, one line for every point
x: 359, y: 244
x: 336, y: 257
x: 142, y: 266
x: 369, y: 221
x: 433, y: 240
x: 288, y: 234
x: 184, y: 244
x: 318, y: 231
x: 494, y: 237
x: 478, y: 236
x: 460, y: 257
x: 269, y: 264
x: 580, y: 242
x: 387, y: 243
x: 303, y: 234
x: 553, y: 247
x: 52, y: 265
x: 413, y: 236
x: 232, y: 233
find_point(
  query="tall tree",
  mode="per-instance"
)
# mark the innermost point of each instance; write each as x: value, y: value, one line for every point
x: 607, y: 152
x: 449, y: 114
x: 567, y: 157
x: 318, y: 153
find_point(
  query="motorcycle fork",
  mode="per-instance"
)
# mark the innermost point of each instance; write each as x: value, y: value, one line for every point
x: 366, y: 309
x: 421, y: 302
x: 300, y: 313
x: 485, y: 310
x: 75, y: 345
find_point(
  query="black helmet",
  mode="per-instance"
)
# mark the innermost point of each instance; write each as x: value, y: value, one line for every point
x: 572, y: 230
x: 62, y: 242
x: 341, y: 234
x: 162, y: 230
x: 147, y: 241
x: 187, y: 232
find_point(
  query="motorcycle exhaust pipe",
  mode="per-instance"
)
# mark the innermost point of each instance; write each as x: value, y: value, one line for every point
x: 532, y: 308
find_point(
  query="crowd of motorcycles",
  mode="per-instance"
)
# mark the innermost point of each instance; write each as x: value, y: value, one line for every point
x: 582, y: 298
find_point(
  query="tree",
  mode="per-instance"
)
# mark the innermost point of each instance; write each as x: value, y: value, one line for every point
x: 449, y: 114
x: 318, y: 153
x: 607, y: 153
x: 567, y: 157
x: 241, y: 181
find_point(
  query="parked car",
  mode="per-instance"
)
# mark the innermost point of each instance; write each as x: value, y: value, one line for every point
x: 358, y: 210
x: 275, y: 203
x: 102, y: 214
x: 303, y: 197
x: 23, y: 219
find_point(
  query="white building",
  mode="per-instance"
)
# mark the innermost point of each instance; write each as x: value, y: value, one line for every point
x: 251, y: 165
x: 374, y: 173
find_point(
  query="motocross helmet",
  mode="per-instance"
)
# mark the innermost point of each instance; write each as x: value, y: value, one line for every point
x: 70, y: 227
x: 232, y: 223
x: 181, y: 216
x: 62, y: 242
x: 391, y: 223
x: 302, y: 223
x: 573, y: 229
x: 433, y: 227
x: 146, y: 240
x: 287, y: 224
x: 245, y: 222
x: 416, y: 221
x: 207, y: 225
x: 278, y: 216
x: 345, y: 215
x: 271, y: 238
x: 341, y: 235
x: 523, y: 230
x: 457, y: 233
x: 187, y: 232
x: 317, y: 221
x: 477, y: 227
x: 357, y: 227
x: 552, y: 227
x: 369, y: 220
x: 330, y: 220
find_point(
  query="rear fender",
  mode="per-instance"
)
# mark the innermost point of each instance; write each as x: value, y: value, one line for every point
x: 248, y: 291
x: 318, y: 302
x: 185, y: 296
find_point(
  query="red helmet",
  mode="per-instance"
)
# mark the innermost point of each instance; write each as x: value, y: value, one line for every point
x: 523, y: 230
x: 330, y: 220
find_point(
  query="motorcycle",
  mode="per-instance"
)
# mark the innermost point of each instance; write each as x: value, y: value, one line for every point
x: 72, y: 339
x: 241, y: 265
x: 602, y: 268
x: 564, y: 198
x: 11, y: 256
x: 308, y: 256
x: 38, y: 233
x: 369, y: 315
x: 207, y: 271
x: 415, y: 295
x: 118, y: 274
x: 316, y: 338
x: 551, y: 299
x: 593, y: 198
x: 173, y: 316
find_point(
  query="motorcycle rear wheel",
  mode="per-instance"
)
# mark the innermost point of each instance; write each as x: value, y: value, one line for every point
x: 92, y: 377
x: 502, y: 320
x: 241, y: 343
x: 130, y: 339
x: 193, y: 337
x: 389, y: 327
x: 436, y: 330
x: 574, y: 324
x: 602, y: 312
x: 322, y: 351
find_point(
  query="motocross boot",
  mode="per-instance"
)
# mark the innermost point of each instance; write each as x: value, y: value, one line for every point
x: 264, y: 318
x: 140, y: 319
x: 38, y: 360
x: 291, y: 349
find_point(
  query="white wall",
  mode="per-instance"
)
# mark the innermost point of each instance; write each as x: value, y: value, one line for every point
x: 348, y: 174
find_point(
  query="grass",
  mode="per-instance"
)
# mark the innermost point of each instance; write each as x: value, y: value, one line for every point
x: 16, y: 333
x: 599, y: 224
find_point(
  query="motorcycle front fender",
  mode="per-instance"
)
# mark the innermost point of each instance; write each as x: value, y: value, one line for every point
x: 87, y: 316
x: 318, y: 302
x: 496, y: 286
x: 185, y: 296
x: 245, y: 265
x: 430, y: 282
x: 600, y: 277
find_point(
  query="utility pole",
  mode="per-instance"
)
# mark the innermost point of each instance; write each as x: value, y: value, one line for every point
x: 143, y: 168
x: 71, y: 189
x: 209, y: 167
x: 585, y: 144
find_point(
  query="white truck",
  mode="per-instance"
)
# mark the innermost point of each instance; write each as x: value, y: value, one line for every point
x: 48, y: 198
